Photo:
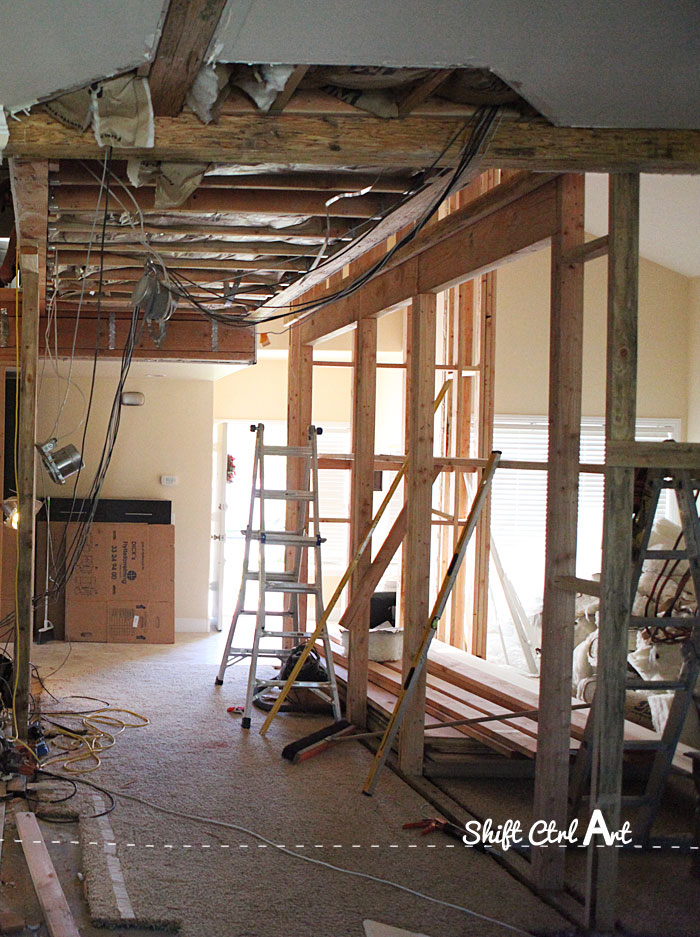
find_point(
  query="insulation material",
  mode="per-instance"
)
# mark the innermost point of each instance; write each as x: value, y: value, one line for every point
x: 175, y: 182
x: 122, y: 114
x: 262, y: 82
x: 206, y: 90
x: 72, y: 110
x: 249, y: 219
x: 370, y: 88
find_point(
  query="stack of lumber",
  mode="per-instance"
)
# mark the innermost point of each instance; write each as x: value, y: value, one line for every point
x: 460, y: 686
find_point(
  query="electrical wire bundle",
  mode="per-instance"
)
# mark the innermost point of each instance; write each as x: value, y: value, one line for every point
x: 481, y: 125
x: 67, y: 555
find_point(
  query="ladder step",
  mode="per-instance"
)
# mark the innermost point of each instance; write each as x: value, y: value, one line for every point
x: 312, y: 684
x: 284, y: 538
x: 655, y: 685
x: 274, y: 576
x: 279, y: 495
x: 250, y: 611
x: 285, y: 634
x: 665, y: 554
x: 643, y: 745
x: 300, y: 451
x: 303, y: 588
x: 662, y: 621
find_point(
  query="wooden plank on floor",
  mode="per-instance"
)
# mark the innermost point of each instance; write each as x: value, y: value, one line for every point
x: 57, y: 915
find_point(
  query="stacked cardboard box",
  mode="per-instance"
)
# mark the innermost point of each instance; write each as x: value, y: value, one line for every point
x: 122, y: 590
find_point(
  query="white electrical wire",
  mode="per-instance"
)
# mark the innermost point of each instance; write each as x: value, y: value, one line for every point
x: 52, y: 319
x: 328, y: 865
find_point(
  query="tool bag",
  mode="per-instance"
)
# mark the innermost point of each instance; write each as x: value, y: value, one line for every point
x: 312, y: 670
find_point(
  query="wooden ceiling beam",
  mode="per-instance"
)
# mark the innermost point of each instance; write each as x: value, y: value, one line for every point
x: 186, y: 339
x: 227, y: 268
x: 29, y: 180
x: 72, y: 198
x: 251, y: 248
x: 134, y: 274
x: 72, y: 173
x: 187, y: 31
x: 518, y: 185
x: 313, y: 229
x: 365, y: 140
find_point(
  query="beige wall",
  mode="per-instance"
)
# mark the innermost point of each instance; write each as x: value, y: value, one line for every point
x: 522, y: 339
x: 171, y: 434
x: 694, y: 361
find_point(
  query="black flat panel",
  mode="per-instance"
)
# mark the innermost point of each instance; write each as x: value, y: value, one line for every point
x: 114, y: 511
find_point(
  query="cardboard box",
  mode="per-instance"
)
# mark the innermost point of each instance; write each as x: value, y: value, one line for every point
x: 116, y: 622
x: 122, y: 590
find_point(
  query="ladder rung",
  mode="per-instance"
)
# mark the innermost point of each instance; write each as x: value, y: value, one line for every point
x: 643, y: 745
x: 262, y: 652
x: 312, y: 684
x: 284, y: 538
x: 662, y: 621
x: 303, y: 588
x: 285, y: 634
x: 301, y: 451
x: 274, y: 576
x: 665, y: 554
x: 250, y: 611
x: 656, y: 685
x: 277, y: 494
x: 628, y: 801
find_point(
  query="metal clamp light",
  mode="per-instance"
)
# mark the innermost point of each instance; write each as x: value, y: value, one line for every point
x: 60, y: 463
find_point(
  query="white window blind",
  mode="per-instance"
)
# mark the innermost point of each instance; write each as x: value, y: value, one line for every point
x: 520, y: 498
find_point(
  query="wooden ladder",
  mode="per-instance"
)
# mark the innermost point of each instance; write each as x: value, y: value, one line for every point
x: 652, y: 483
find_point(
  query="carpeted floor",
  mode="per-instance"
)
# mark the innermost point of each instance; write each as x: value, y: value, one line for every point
x: 205, y: 880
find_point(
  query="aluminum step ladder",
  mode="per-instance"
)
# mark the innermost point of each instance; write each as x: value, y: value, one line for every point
x: 296, y: 545
x: 685, y: 486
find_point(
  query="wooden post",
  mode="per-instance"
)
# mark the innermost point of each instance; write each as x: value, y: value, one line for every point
x: 465, y: 295
x: 300, y: 386
x: 26, y: 482
x: 482, y: 539
x: 361, y: 508
x: 418, y: 497
x: 620, y: 413
x: 3, y: 404
x: 30, y: 192
x: 558, y: 616
x: 407, y: 338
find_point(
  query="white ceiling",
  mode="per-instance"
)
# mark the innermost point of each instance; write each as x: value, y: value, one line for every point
x: 628, y: 63
x: 669, y: 218
x: 48, y: 46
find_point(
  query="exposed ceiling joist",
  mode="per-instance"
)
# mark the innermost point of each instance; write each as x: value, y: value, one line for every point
x: 282, y: 99
x: 422, y: 91
x: 72, y: 173
x: 83, y: 198
x: 187, y: 32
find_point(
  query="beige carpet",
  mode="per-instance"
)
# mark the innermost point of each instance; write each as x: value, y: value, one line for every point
x: 205, y: 880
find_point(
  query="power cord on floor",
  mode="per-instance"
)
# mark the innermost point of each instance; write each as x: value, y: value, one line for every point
x: 328, y: 865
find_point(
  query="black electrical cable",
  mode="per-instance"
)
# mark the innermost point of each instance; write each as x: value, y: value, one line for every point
x: 77, y: 780
x: 483, y: 121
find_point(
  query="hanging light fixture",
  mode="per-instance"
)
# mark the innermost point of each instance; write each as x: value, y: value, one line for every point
x: 60, y: 463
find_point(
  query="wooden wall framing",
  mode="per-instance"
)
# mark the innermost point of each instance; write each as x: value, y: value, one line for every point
x: 471, y: 243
